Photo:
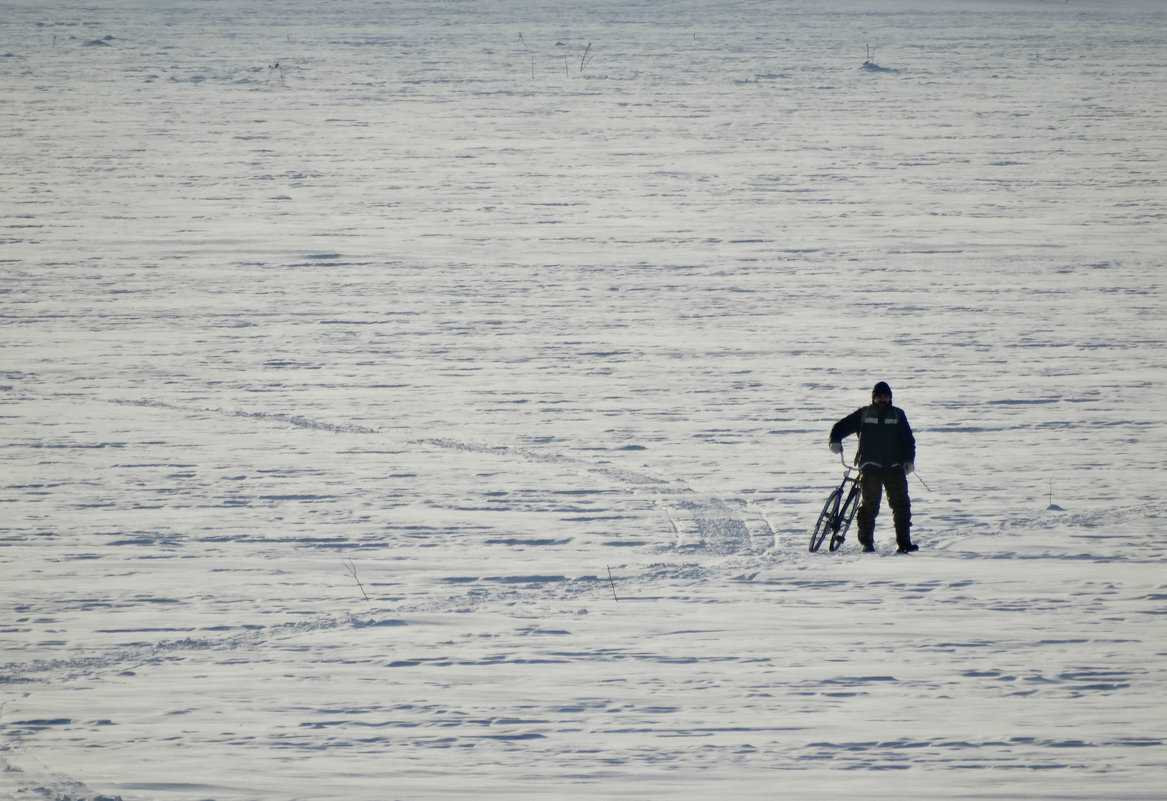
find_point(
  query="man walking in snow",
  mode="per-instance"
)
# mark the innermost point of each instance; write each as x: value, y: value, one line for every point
x: 887, y: 453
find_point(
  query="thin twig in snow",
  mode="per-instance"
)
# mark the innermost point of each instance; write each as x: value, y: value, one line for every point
x: 351, y: 568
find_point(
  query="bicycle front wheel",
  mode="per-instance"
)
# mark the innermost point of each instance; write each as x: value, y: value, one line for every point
x: 826, y: 521
x: 846, y: 515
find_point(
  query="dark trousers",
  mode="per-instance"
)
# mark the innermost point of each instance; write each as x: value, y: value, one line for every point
x: 873, y: 485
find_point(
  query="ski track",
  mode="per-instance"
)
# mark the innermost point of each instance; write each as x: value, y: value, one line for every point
x: 709, y: 525
x: 408, y: 406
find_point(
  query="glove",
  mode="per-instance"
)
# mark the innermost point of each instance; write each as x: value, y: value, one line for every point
x: 836, y: 447
x: 909, y: 467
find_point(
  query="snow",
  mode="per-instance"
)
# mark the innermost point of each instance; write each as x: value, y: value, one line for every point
x: 536, y: 345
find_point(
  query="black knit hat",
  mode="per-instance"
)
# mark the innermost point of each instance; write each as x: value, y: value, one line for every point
x: 881, y: 389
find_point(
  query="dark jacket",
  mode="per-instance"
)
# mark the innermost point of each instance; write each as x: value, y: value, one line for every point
x: 885, y: 438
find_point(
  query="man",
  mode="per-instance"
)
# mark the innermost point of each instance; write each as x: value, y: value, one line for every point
x: 887, y: 453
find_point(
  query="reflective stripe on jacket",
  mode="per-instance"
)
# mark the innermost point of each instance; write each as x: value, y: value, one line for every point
x: 885, y: 437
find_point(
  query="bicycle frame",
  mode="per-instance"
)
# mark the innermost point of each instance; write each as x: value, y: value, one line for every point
x: 839, y: 510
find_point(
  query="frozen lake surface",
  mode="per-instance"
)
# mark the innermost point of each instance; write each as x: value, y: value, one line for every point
x: 425, y: 400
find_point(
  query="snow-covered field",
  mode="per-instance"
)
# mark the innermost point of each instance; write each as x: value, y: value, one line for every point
x: 528, y: 321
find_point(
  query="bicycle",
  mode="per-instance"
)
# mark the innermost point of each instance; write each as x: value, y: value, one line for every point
x: 838, y: 511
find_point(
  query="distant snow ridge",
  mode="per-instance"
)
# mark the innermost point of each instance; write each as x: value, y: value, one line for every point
x: 619, y: 474
x: 298, y: 421
x: 306, y: 422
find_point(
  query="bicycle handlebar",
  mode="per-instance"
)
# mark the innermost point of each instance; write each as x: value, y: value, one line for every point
x: 847, y: 467
x: 850, y: 467
x: 843, y: 460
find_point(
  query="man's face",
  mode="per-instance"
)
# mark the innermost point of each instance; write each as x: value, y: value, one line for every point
x: 882, y: 400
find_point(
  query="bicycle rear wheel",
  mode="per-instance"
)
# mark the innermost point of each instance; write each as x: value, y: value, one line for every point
x: 826, y: 521
x: 845, y: 516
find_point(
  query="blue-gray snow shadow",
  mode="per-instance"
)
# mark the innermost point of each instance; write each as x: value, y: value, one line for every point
x: 871, y: 66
